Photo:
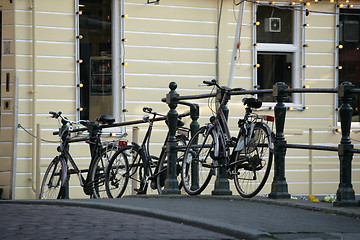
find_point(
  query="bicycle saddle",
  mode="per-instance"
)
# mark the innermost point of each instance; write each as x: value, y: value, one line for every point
x: 252, y: 102
x: 105, y: 119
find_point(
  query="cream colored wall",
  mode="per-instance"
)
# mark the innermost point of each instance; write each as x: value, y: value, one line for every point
x: 163, y: 46
x: 49, y: 78
x: 172, y: 41
x: 7, y: 100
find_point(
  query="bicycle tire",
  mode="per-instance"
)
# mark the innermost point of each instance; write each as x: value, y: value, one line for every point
x: 98, y: 170
x: 197, y: 168
x: 117, y: 173
x: 162, y: 169
x: 54, y: 179
x: 252, y: 175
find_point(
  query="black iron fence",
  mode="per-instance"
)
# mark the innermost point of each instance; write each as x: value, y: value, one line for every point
x: 345, y: 195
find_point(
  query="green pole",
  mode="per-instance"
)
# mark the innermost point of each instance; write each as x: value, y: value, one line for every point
x: 279, y: 187
x: 345, y: 195
x: 171, y: 183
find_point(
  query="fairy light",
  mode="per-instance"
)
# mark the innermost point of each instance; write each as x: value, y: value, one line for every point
x: 257, y: 65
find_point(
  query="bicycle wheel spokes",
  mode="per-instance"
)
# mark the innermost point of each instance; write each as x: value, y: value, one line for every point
x: 197, y: 165
x: 117, y: 174
x: 253, y: 171
x: 97, y: 179
x: 53, y: 179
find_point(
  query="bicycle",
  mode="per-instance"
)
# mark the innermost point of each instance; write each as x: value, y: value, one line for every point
x: 57, y: 175
x: 247, y: 158
x: 143, y: 167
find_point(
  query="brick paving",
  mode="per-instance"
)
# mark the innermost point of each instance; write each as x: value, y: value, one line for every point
x: 18, y: 221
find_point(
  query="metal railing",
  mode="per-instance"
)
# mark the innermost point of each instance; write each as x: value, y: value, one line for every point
x: 345, y: 195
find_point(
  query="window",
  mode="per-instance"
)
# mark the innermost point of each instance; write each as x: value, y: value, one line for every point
x: 277, y: 54
x: 96, y: 58
x: 349, y: 54
x: 281, y: 68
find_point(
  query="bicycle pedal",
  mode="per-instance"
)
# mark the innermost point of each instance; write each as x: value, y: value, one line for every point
x: 208, y: 165
x: 139, y: 191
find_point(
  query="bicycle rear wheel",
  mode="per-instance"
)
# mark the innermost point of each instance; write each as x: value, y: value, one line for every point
x: 197, y: 167
x: 54, y: 179
x: 162, y: 169
x: 256, y: 159
x: 98, y: 170
x: 117, y: 173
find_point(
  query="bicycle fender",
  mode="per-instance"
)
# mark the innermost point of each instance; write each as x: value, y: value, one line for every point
x: 216, y: 140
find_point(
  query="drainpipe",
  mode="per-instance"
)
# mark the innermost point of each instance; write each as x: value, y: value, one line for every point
x: 236, y: 46
x: 115, y: 37
x: 33, y: 92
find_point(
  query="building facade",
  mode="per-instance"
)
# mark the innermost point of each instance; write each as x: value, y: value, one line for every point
x: 88, y: 58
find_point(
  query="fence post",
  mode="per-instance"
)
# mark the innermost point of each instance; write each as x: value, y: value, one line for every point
x: 279, y: 187
x: 222, y: 185
x: 171, y: 183
x: 345, y: 195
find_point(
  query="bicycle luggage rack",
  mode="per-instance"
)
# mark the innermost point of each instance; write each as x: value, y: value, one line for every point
x: 279, y: 189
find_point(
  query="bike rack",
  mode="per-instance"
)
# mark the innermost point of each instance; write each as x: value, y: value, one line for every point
x: 345, y: 195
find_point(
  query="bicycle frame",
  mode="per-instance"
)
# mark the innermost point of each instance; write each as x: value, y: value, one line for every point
x: 221, y: 132
x: 95, y: 146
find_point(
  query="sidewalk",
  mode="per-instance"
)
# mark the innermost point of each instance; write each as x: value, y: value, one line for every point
x: 179, y: 217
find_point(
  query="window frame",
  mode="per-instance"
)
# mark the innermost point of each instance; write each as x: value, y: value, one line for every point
x: 337, y: 102
x: 294, y: 48
x: 118, y: 70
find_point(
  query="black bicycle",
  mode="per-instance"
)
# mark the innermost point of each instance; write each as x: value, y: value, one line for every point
x: 57, y: 176
x: 247, y: 157
x: 134, y: 162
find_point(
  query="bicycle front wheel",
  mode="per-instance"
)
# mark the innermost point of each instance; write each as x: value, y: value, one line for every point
x: 255, y: 160
x: 197, y: 167
x: 98, y: 170
x: 117, y: 173
x: 54, y: 179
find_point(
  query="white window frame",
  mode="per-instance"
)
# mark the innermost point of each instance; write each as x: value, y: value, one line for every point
x: 294, y: 48
x: 118, y: 72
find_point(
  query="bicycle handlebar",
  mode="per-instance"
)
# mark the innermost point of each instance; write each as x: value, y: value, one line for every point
x: 215, y: 83
x: 150, y: 111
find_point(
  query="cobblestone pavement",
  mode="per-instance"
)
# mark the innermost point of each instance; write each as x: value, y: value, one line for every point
x: 178, y: 217
x: 19, y: 222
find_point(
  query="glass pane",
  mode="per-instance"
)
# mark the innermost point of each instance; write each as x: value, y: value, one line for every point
x: 274, y: 67
x: 95, y: 51
x: 349, y: 55
x: 276, y: 25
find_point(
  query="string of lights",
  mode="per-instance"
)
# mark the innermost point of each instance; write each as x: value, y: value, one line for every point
x: 292, y: 6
